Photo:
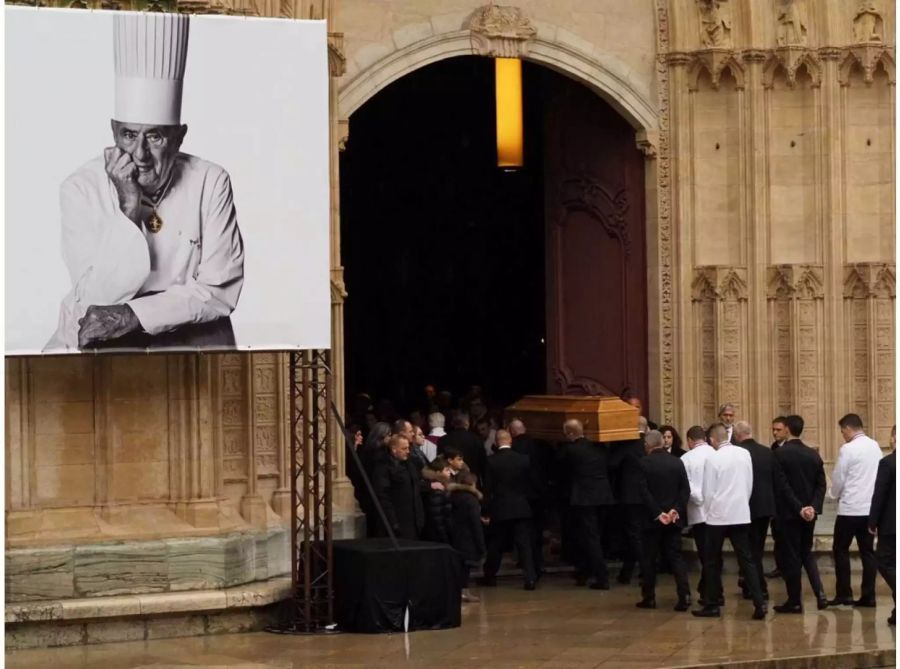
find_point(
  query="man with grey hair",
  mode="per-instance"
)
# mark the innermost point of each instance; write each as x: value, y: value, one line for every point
x: 590, y: 499
x: 762, y: 499
x: 727, y: 486
x: 436, y: 422
x: 726, y: 417
x: 666, y: 491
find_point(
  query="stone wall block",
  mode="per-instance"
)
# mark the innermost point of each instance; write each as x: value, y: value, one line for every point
x: 117, y: 569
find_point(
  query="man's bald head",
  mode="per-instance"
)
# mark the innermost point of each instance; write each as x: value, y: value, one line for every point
x: 642, y: 425
x: 516, y: 427
x: 503, y: 438
x: 741, y: 432
x: 573, y: 429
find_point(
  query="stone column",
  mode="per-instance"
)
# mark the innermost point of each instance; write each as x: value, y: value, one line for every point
x: 757, y: 405
x: 253, y: 507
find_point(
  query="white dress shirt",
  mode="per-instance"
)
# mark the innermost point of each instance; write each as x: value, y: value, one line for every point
x: 694, y: 463
x: 853, y: 479
x: 727, y: 484
x: 191, y: 271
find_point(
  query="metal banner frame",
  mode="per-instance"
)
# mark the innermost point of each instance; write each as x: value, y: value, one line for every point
x: 312, y: 474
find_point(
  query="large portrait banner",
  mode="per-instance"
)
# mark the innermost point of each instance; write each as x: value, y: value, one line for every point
x: 166, y: 182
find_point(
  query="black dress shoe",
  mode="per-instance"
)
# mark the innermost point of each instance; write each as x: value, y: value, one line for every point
x: 530, y: 585
x: 865, y: 603
x: 707, y: 612
x: 775, y: 573
x: 683, y: 604
x: 841, y: 601
x: 702, y: 602
x: 821, y: 602
x: 646, y: 604
x: 600, y: 585
x: 787, y: 607
x: 759, y: 613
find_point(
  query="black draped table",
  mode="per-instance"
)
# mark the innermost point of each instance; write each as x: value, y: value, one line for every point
x: 375, y: 584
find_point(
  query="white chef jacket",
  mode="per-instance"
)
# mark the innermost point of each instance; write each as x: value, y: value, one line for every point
x: 853, y: 478
x: 727, y: 484
x: 194, y: 265
x: 694, y: 463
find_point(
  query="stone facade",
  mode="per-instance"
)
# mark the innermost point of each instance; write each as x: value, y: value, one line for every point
x: 768, y: 132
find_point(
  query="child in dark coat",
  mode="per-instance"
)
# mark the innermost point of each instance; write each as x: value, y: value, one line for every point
x: 438, y: 511
x: 468, y: 530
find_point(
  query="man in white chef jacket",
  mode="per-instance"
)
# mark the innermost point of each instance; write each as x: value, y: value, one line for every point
x: 149, y: 234
x: 727, y: 485
x: 694, y: 463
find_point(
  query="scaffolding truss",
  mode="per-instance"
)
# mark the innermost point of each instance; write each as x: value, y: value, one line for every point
x: 312, y: 474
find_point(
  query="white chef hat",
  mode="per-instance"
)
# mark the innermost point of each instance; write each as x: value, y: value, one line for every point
x: 150, y: 52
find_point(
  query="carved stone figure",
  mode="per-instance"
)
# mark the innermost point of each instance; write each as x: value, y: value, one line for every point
x: 501, y: 32
x: 791, y: 23
x: 715, y: 23
x: 868, y: 26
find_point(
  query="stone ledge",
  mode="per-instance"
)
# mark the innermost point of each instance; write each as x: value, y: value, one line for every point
x: 98, y: 608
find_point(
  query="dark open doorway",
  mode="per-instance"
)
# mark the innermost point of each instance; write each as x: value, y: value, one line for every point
x: 459, y: 273
x: 444, y: 252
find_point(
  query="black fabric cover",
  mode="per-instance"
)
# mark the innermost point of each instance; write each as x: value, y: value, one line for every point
x: 374, y: 582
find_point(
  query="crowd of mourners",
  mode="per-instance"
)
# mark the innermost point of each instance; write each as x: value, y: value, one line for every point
x: 484, y: 486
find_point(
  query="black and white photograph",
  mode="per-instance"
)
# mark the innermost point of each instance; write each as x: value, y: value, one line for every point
x: 168, y: 193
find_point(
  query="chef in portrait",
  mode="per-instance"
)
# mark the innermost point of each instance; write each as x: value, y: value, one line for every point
x: 149, y: 234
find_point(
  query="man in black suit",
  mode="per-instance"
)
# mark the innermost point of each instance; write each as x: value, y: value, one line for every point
x: 467, y: 443
x: 779, y: 435
x: 665, y: 490
x: 590, y: 498
x: 506, y: 497
x: 762, y: 499
x: 799, y: 501
x: 883, y: 519
x: 538, y: 486
x: 625, y: 473
x: 397, y: 486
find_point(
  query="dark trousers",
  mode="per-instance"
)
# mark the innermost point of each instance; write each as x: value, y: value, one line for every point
x: 666, y: 539
x: 739, y: 535
x: 846, y: 529
x: 796, y: 547
x: 499, y: 535
x: 699, y: 533
x: 759, y: 529
x: 590, y: 522
x: 886, y: 555
x: 538, y: 515
x: 633, y: 517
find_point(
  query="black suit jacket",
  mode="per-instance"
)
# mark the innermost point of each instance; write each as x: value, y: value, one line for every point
x: 883, y: 513
x: 506, y: 486
x: 625, y: 469
x: 762, y: 499
x: 539, y: 465
x: 804, y: 479
x: 664, y: 485
x: 589, y: 473
x: 396, y: 484
x: 470, y: 445
x: 467, y: 530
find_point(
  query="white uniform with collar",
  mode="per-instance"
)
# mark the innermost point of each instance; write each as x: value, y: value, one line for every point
x: 695, y: 465
x: 853, y: 478
x: 727, y: 484
x: 194, y: 264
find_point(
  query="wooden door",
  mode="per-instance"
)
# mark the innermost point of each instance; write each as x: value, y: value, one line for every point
x: 596, y: 252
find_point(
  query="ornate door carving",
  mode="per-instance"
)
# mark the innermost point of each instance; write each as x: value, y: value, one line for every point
x: 596, y: 251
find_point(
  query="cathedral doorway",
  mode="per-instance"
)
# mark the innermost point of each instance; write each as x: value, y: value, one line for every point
x: 460, y: 273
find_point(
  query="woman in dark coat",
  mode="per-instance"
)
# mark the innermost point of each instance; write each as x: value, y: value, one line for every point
x: 672, y: 440
x: 467, y: 529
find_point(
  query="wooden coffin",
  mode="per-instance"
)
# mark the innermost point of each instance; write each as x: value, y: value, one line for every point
x: 604, y: 418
